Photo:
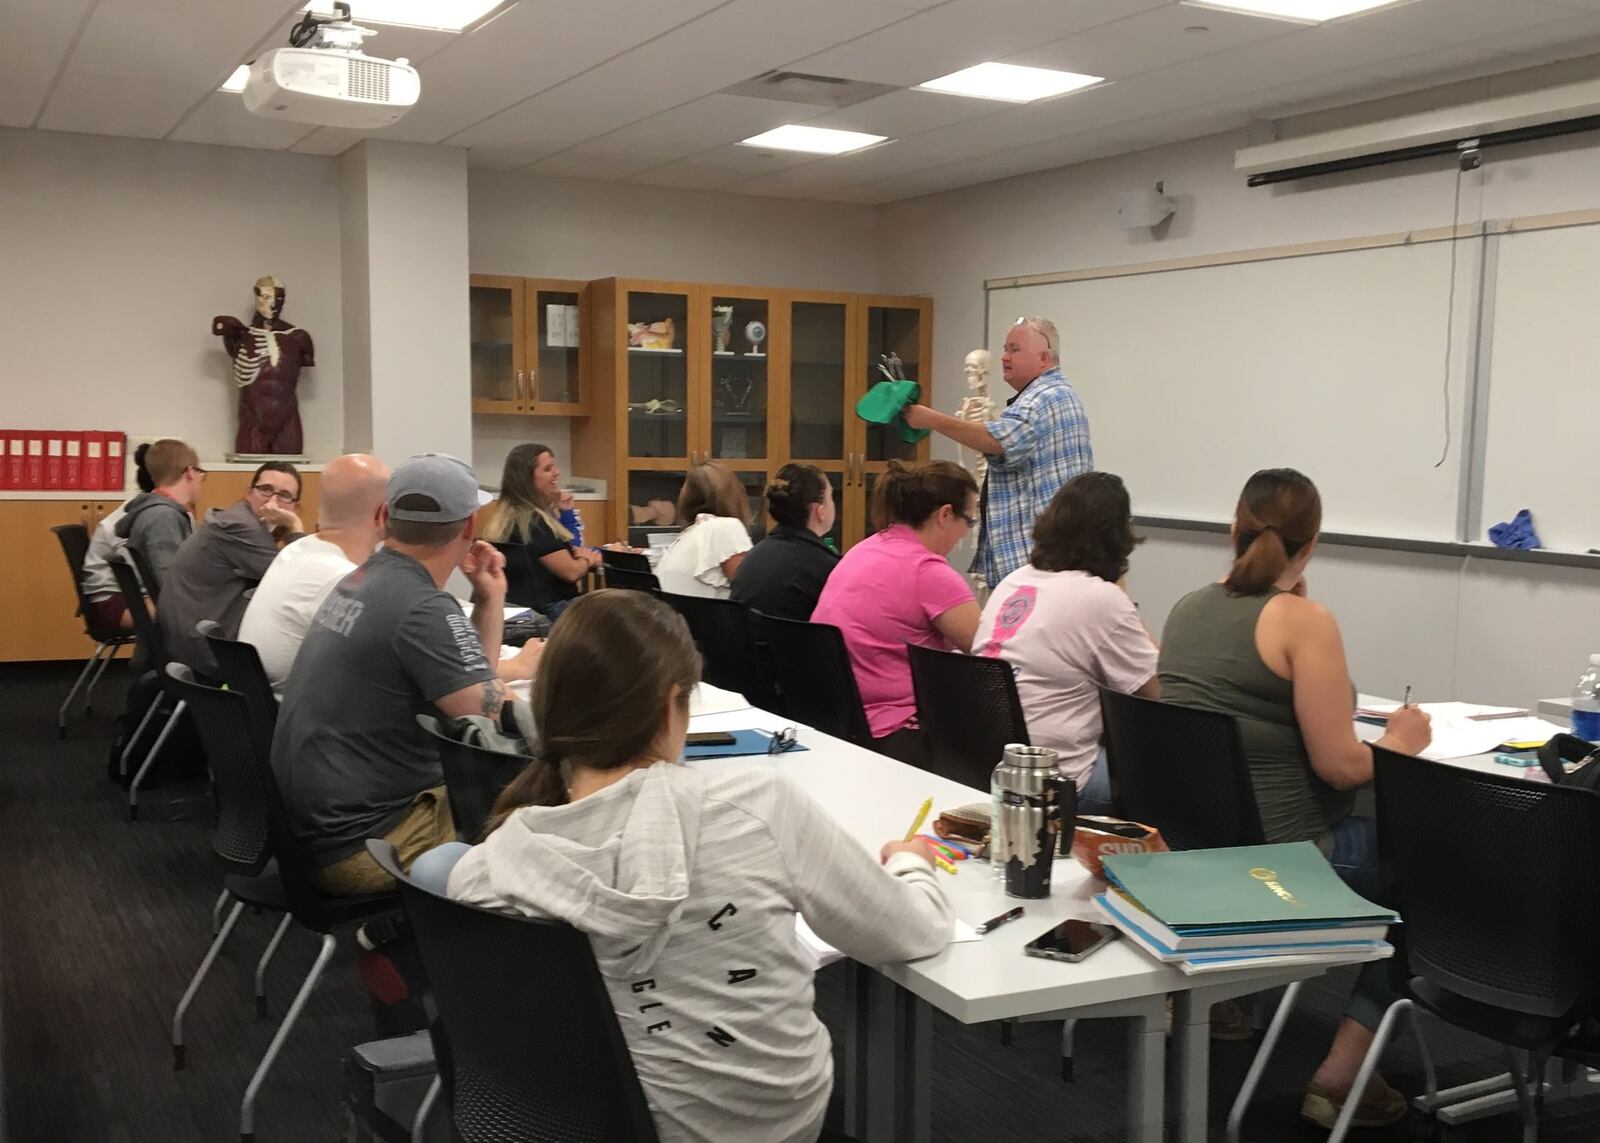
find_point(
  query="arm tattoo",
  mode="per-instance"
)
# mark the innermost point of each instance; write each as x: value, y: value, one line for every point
x: 494, y: 694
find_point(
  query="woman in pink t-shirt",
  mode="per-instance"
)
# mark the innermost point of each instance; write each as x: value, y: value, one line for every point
x: 897, y: 588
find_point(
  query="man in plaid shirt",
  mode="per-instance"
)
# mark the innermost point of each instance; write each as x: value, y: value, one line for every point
x: 1039, y: 443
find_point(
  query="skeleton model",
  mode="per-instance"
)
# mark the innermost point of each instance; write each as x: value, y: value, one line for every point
x: 267, y: 357
x: 976, y: 406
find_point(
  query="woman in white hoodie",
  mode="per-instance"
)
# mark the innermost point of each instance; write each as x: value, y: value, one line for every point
x: 688, y: 880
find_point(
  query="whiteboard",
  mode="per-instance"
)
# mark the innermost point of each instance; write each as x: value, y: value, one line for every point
x: 1543, y: 432
x: 1332, y: 363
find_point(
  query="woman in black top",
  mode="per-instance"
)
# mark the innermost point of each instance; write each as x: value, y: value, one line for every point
x: 783, y: 574
x: 542, y: 566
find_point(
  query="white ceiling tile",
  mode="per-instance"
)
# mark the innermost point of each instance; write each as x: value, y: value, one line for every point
x: 333, y: 140
x: 1565, y: 40
x: 701, y: 125
x: 498, y: 159
x: 902, y: 113
x: 1460, y: 21
x: 929, y: 45
x: 1107, y: 52
x: 176, y: 41
x: 1164, y: 27
x: 102, y: 105
x: 32, y: 51
x: 731, y: 44
x: 686, y: 174
x: 1054, y: 18
x: 532, y: 47
x: 222, y: 119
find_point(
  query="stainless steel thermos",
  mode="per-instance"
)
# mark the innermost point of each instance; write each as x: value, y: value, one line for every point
x: 1033, y: 805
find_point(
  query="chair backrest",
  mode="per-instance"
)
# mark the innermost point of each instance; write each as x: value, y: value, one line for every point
x: 968, y: 709
x: 74, y: 540
x: 721, y: 629
x: 1496, y: 880
x: 473, y: 777
x: 144, y: 624
x: 1181, y: 770
x: 816, y: 683
x: 239, y: 666
x: 526, y: 1037
x: 632, y: 580
x: 626, y: 561
x: 147, y: 574
x: 225, y: 724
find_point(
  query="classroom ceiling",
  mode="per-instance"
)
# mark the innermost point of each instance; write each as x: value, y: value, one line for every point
x: 633, y: 90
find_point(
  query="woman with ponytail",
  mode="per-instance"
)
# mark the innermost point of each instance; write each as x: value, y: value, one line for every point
x: 897, y: 587
x: 784, y: 574
x: 106, y: 606
x: 1256, y: 647
x: 688, y: 880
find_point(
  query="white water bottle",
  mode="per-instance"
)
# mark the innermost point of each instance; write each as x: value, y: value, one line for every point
x: 1586, y: 703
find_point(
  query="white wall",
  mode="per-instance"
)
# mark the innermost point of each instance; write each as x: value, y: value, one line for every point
x: 1477, y: 629
x: 115, y: 254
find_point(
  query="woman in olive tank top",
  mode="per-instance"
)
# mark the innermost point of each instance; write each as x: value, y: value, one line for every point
x: 1254, y: 646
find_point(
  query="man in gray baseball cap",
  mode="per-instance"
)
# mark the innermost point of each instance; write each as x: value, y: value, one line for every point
x: 386, y: 645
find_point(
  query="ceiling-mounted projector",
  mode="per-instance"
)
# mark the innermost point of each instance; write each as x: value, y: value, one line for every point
x: 324, y: 78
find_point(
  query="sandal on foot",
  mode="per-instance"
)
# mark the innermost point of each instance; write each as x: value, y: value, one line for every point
x: 1380, y: 1106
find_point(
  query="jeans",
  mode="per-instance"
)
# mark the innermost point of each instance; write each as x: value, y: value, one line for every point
x: 1355, y: 860
x: 1095, y: 796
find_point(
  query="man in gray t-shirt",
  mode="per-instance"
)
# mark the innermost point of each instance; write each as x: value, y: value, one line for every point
x: 387, y: 644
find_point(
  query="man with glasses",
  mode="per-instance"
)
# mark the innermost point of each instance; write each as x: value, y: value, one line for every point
x: 1039, y: 443
x: 225, y: 557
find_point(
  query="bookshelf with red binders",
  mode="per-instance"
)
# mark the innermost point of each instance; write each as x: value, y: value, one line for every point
x: 59, y: 460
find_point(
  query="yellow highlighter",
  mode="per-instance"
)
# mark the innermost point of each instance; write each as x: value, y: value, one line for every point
x: 944, y: 863
x: 922, y: 816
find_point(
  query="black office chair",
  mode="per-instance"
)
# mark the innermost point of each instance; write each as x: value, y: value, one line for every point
x: 239, y: 667
x: 1181, y: 770
x: 968, y: 709
x: 251, y: 816
x: 155, y: 661
x: 473, y: 778
x: 74, y: 539
x: 626, y: 561
x: 721, y: 629
x: 632, y: 580
x: 506, y: 1078
x: 816, y: 683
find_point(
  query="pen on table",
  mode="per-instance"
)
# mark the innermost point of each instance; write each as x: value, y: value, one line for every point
x: 995, y: 922
x: 1407, y: 700
x: 922, y: 816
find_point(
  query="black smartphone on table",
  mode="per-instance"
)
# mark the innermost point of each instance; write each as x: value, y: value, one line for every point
x: 1071, y: 940
x: 710, y: 738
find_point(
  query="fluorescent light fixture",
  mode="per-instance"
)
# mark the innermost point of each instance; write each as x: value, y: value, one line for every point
x: 434, y: 15
x: 1010, y: 83
x: 1297, y: 11
x: 813, y: 140
x: 235, y: 82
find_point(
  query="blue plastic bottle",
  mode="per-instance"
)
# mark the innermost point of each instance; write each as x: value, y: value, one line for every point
x: 1586, y: 703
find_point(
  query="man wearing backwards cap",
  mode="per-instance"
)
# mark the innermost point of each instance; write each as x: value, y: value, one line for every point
x: 386, y: 645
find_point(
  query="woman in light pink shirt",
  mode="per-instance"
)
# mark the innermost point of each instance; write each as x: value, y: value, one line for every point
x: 896, y: 588
x: 1067, y: 627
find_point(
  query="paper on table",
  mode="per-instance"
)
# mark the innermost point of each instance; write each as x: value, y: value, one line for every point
x: 708, y: 699
x: 510, y: 612
x: 1437, y: 710
x: 1463, y: 737
x: 824, y: 953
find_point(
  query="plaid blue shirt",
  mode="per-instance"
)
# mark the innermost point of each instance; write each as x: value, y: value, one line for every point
x: 1045, y: 435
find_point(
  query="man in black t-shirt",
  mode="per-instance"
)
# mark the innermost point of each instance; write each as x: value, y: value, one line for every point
x: 387, y: 644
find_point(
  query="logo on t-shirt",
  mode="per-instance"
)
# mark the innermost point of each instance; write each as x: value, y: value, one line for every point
x: 1008, y: 621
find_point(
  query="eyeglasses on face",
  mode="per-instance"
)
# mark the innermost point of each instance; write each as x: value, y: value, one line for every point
x: 785, y: 739
x: 281, y: 495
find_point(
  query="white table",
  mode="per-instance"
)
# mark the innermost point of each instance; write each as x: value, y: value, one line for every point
x: 888, y: 1049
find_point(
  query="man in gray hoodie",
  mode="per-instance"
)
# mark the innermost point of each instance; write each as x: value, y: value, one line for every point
x: 156, y: 524
x: 224, y: 558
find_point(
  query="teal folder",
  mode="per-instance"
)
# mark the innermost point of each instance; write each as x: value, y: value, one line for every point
x: 1249, y: 888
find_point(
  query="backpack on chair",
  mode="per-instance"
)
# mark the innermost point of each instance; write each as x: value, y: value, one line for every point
x: 1570, y: 748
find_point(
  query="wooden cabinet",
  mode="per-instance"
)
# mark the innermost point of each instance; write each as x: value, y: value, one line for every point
x: 526, y: 346
x: 750, y: 376
x: 36, y: 592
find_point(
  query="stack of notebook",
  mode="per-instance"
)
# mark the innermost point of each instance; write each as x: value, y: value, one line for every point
x: 1208, y: 910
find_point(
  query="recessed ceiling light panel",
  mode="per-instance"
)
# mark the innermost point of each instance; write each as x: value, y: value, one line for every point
x: 1297, y: 11
x: 434, y: 15
x: 235, y: 82
x: 813, y: 140
x: 1009, y: 83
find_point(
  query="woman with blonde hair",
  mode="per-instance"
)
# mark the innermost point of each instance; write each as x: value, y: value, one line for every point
x: 704, y: 558
x: 543, y: 566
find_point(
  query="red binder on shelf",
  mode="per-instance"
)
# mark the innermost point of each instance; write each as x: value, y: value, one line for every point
x: 72, y: 469
x: 33, y: 462
x: 94, y: 448
x: 12, y: 445
x: 55, y: 459
x: 112, y: 471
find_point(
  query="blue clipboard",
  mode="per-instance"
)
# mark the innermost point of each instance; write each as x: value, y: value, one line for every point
x: 744, y: 744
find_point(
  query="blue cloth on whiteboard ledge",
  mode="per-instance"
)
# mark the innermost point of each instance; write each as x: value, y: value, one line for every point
x: 1518, y: 533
